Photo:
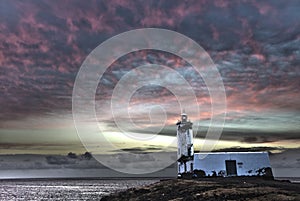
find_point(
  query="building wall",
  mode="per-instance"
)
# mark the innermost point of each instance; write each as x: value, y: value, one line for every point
x: 246, y: 162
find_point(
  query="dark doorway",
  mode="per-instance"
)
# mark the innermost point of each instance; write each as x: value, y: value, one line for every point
x: 231, y: 167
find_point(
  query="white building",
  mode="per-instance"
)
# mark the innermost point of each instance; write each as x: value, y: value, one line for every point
x: 232, y: 163
x: 217, y: 163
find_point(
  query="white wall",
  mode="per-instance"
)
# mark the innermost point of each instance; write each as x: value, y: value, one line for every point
x: 216, y: 161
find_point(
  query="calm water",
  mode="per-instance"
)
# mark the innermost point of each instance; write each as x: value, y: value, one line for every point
x: 64, y: 189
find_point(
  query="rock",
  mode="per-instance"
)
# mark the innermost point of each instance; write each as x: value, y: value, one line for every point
x: 211, y: 189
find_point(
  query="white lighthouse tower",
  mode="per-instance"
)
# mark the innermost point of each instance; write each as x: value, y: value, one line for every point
x: 185, y: 153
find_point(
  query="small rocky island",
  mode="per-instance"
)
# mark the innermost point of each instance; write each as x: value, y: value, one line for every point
x: 212, y: 189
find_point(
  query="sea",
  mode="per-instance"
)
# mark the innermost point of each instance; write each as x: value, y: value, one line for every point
x: 65, y: 189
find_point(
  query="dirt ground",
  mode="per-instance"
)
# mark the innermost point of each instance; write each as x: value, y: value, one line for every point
x: 212, y: 189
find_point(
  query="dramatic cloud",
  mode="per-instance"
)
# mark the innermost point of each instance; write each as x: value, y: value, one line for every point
x: 255, y: 46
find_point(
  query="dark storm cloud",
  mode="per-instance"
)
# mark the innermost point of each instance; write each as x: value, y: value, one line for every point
x: 242, y: 149
x: 9, y: 15
x: 50, y: 19
x: 138, y: 150
x: 255, y: 45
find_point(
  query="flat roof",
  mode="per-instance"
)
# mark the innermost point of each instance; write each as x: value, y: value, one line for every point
x: 250, y: 152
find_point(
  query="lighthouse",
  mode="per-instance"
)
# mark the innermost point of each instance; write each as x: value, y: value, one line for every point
x: 226, y: 164
x: 185, y: 152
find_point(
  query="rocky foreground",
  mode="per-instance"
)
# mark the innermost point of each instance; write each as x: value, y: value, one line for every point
x: 213, y: 189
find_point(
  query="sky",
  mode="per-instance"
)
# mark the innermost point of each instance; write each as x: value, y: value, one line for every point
x: 255, y: 46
